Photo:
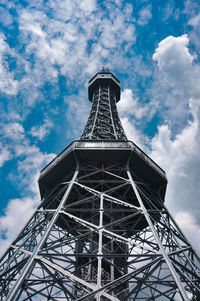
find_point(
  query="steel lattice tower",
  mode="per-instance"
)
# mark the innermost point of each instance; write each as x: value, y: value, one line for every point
x: 101, y: 231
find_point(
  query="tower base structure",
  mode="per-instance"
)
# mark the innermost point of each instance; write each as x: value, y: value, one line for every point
x: 101, y: 232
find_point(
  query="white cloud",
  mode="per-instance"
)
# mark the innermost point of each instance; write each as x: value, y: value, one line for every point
x: 29, y: 161
x: 55, y: 43
x: 77, y: 113
x: 145, y: 15
x: 179, y: 156
x: 5, y: 154
x: 131, y: 113
x: 191, y: 7
x: 13, y: 130
x: 69, y: 38
x: 176, y: 79
x: 87, y: 6
x: 132, y: 133
x: 114, y: 30
x: 190, y: 227
x: 173, y: 52
x: 29, y: 157
x: 5, y: 17
x: 64, y: 10
x: 177, y: 152
x: 176, y: 66
x: 30, y: 167
x: 194, y: 21
x: 129, y: 105
x: 17, y: 213
x: 8, y: 84
x: 192, y: 13
x: 41, y: 131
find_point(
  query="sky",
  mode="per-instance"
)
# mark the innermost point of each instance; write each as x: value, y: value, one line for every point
x: 49, y: 49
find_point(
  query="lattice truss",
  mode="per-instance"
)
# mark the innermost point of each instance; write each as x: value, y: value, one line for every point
x: 104, y: 234
x: 103, y: 122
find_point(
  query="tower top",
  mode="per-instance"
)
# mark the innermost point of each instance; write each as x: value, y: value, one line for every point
x: 104, y: 77
x: 103, y: 122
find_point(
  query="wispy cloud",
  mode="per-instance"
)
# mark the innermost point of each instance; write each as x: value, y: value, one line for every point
x: 5, y: 155
x: 8, y: 84
x: 145, y: 15
x: 29, y: 161
x: 41, y: 131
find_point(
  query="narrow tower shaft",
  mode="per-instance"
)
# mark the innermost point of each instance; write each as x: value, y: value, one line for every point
x: 103, y: 122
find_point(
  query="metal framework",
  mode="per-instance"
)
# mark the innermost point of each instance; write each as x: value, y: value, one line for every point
x: 103, y: 122
x: 101, y: 231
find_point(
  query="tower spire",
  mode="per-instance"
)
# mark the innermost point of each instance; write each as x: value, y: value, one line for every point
x: 103, y: 122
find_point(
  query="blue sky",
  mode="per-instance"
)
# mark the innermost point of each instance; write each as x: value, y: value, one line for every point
x: 49, y: 50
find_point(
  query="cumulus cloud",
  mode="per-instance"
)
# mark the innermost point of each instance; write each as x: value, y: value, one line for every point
x: 190, y: 227
x: 132, y: 113
x: 174, y: 61
x: 169, y: 49
x: 176, y: 80
x: 179, y: 157
x: 132, y: 133
x: 178, y: 153
x: 176, y: 148
x: 129, y: 105
x: 16, y: 215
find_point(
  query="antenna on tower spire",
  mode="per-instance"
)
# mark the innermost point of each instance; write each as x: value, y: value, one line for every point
x: 104, y: 69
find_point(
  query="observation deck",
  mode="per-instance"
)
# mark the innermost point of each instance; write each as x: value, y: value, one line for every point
x: 123, y: 152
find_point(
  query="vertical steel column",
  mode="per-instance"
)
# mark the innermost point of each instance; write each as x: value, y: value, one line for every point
x: 100, y: 250
x: 111, y: 113
x: 96, y: 114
